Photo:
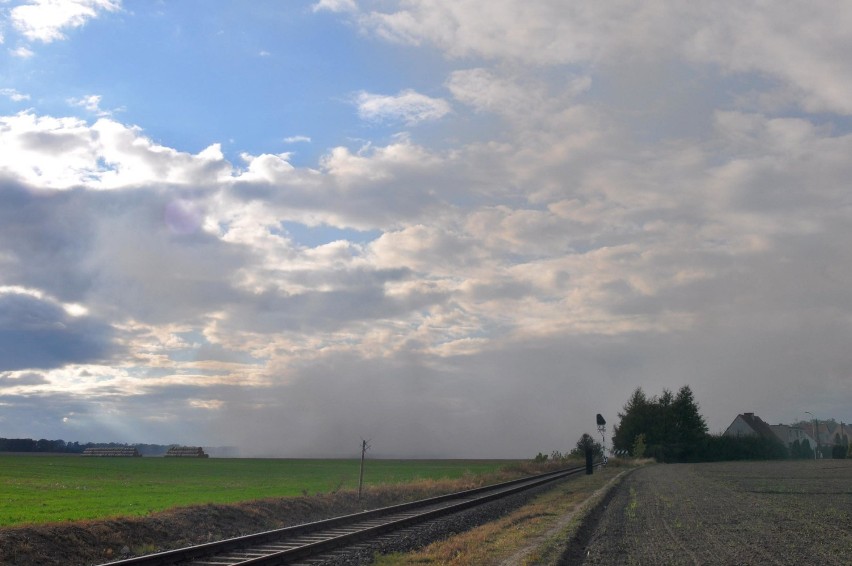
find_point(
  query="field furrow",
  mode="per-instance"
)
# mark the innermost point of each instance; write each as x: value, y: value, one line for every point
x: 729, y: 513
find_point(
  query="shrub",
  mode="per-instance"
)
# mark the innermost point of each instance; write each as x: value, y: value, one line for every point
x: 586, y: 443
x: 806, y: 452
x: 717, y: 448
x: 639, y: 446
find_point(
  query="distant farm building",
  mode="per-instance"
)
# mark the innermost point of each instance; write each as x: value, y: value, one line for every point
x: 123, y: 452
x: 186, y: 452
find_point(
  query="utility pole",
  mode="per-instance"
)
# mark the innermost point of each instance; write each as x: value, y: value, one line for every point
x: 816, y: 433
x: 365, y: 445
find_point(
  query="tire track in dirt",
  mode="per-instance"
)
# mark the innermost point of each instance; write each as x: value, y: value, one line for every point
x: 575, y: 552
x: 565, y: 520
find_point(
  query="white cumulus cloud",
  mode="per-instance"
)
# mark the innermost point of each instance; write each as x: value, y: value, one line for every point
x: 335, y: 6
x: 92, y: 103
x: 22, y: 52
x: 46, y: 20
x: 13, y: 94
x: 803, y: 46
x: 66, y: 152
x: 408, y: 106
x: 297, y: 139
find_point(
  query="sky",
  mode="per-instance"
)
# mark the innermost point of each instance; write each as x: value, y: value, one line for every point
x: 455, y: 228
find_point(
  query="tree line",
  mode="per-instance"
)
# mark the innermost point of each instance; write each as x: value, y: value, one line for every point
x: 670, y: 428
x: 28, y: 445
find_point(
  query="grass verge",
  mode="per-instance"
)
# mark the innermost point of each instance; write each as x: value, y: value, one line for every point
x: 537, y: 533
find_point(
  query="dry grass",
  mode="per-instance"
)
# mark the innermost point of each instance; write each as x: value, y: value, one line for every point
x: 428, y: 487
x: 533, y: 534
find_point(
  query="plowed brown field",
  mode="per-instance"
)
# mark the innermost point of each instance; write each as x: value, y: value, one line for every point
x: 755, y: 513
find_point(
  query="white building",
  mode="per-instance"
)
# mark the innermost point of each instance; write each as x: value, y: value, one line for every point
x: 790, y: 434
x: 749, y: 424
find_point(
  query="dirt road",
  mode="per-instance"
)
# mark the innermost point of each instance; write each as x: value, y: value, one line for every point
x: 751, y: 513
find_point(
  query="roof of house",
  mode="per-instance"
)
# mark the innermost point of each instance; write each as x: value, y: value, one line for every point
x: 827, y: 430
x: 758, y: 425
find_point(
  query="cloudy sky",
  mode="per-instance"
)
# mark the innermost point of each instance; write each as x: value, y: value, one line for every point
x: 455, y: 227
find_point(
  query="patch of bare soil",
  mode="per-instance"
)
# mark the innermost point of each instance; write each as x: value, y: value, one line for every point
x: 742, y: 513
x: 97, y: 542
x: 563, y: 522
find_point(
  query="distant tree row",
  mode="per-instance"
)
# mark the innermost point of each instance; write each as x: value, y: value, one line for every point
x: 43, y: 445
x: 27, y: 445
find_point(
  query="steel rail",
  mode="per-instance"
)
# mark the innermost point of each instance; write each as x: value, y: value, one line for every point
x: 285, y: 545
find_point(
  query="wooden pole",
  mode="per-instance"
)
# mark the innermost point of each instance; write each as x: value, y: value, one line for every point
x: 364, y: 448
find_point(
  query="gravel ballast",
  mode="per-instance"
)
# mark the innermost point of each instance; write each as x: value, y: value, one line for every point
x: 418, y: 536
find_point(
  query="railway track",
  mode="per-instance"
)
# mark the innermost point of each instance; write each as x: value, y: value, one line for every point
x: 298, y: 544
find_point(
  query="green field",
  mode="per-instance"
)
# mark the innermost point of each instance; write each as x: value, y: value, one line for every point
x: 43, y: 489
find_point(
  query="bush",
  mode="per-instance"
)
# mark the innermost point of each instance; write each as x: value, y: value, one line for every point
x: 639, y: 446
x: 587, y: 443
x: 718, y: 448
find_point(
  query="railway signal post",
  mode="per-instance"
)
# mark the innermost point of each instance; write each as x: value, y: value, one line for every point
x: 602, y: 429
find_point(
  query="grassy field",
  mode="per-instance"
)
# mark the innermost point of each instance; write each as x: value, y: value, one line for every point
x: 42, y: 489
